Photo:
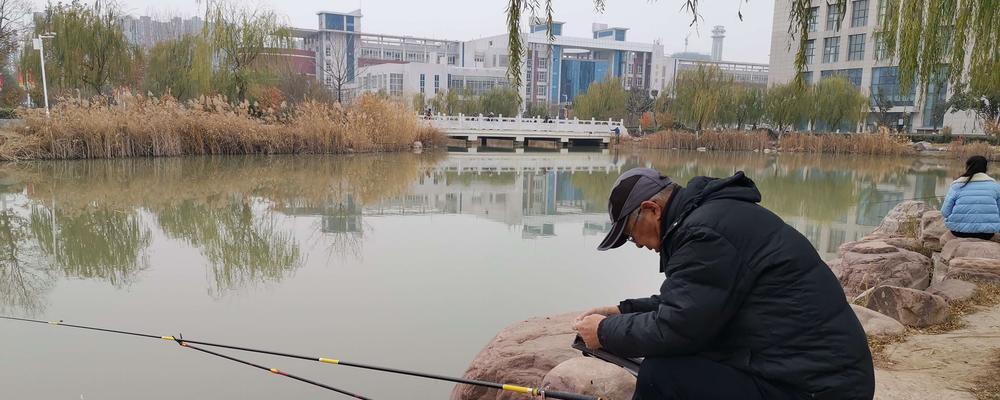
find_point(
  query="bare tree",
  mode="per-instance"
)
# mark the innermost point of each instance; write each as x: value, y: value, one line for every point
x: 13, y: 14
x: 339, y: 71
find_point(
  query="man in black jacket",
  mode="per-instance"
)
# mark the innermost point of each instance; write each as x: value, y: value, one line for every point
x: 748, y: 309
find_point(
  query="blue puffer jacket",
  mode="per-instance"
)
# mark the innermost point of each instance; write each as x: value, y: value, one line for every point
x: 973, y: 208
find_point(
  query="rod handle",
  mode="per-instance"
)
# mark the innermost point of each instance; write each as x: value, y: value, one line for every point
x: 568, y: 396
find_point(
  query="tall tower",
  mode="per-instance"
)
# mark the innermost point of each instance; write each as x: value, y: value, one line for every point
x: 718, y: 33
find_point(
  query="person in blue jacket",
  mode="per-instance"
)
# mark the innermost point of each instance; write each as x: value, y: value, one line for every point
x: 972, y: 207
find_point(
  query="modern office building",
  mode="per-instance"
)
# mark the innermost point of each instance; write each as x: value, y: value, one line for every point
x: 851, y: 49
x: 146, y: 31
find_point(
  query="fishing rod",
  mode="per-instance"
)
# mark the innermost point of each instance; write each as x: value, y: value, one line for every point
x: 180, y: 340
x: 534, y: 392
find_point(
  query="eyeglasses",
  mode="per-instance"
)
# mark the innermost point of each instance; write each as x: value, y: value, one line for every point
x: 632, y: 226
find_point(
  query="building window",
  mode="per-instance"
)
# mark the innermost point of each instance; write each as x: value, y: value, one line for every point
x: 813, y: 18
x: 437, y: 83
x: 395, y: 84
x: 859, y: 13
x: 880, y: 48
x: 885, y: 87
x: 327, y: 51
x: 833, y: 14
x: 831, y: 49
x: 856, y: 47
x: 422, y: 79
x: 882, y: 8
x: 810, y: 51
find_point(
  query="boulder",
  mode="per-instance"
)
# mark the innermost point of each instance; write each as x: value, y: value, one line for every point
x: 938, y: 269
x: 932, y: 230
x: 590, y: 376
x: 521, y: 354
x: 876, y: 263
x: 835, y: 267
x: 876, y: 323
x: 903, y: 220
x: 968, y: 247
x: 909, y: 306
x: 911, y: 244
x: 974, y: 269
x: 953, y: 290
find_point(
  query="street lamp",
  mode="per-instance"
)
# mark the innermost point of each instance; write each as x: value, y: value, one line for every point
x: 40, y: 46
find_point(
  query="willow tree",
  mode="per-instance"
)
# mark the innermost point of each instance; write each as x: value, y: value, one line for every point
x: 240, y: 37
x: 603, y: 100
x: 89, y: 50
x: 920, y: 34
x: 748, y: 105
x: 783, y: 106
x: 180, y: 67
x: 701, y: 96
x: 837, y: 101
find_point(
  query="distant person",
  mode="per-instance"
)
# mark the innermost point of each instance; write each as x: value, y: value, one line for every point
x: 618, y: 134
x: 747, y: 309
x: 972, y: 207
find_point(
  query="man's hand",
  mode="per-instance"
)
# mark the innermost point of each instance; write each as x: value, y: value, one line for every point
x: 587, y: 328
x: 605, y: 311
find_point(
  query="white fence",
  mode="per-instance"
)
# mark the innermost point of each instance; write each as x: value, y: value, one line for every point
x: 530, y: 127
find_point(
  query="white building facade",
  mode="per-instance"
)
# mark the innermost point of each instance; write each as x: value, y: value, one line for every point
x: 850, y: 48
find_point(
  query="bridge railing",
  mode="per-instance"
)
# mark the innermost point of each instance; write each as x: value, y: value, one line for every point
x: 519, y: 124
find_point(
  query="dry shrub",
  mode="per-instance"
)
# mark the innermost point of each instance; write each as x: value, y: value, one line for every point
x: 987, y: 386
x: 964, y: 151
x: 721, y: 141
x: 858, y: 143
x: 136, y: 126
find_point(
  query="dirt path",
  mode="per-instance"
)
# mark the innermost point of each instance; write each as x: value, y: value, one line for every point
x: 942, y: 366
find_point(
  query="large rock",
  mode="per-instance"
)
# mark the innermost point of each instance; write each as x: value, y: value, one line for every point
x: 877, y: 324
x: 877, y: 263
x: 909, y: 306
x: 521, y: 354
x: 974, y: 269
x: 590, y: 376
x: 835, y: 266
x: 903, y: 220
x: 939, y: 269
x: 968, y: 247
x: 953, y: 290
x: 932, y: 230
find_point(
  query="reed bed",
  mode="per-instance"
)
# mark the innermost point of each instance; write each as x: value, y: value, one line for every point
x: 718, y: 141
x: 857, y: 143
x: 965, y: 150
x: 136, y: 126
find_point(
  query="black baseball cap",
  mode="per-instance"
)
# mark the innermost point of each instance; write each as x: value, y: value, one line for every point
x: 630, y: 190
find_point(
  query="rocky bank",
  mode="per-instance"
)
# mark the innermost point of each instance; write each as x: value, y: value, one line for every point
x: 905, y: 281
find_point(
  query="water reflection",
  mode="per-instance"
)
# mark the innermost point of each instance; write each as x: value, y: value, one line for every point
x: 97, y: 220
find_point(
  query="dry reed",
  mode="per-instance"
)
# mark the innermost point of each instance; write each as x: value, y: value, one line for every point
x: 857, y: 143
x: 720, y: 141
x: 137, y: 126
x: 964, y: 151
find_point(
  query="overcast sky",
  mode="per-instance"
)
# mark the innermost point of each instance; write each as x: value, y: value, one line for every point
x: 748, y: 40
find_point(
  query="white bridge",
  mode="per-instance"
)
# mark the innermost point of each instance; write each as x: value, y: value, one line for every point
x: 518, y: 132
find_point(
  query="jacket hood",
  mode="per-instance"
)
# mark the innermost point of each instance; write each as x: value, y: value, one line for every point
x: 978, y: 177
x: 701, y: 189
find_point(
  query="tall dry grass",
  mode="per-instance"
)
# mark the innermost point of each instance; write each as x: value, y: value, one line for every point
x: 136, y: 126
x: 856, y: 143
x: 965, y: 150
x: 719, y: 141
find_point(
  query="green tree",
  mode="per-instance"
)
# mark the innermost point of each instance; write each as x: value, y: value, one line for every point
x: 500, y: 101
x: 603, y: 100
x: 837, y: 102
x: 782, y: 106
x: 637, y: 103
x: 178, y: 67
x: 89, y: 49
x: 239, y: 37
x: 701, y: 96
x: 419, y: 103
x: 748, y: 106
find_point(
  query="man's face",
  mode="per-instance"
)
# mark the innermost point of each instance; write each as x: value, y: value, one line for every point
x: 644, y: 229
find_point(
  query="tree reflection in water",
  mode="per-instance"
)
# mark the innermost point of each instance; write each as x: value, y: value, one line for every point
x: 24, y: 278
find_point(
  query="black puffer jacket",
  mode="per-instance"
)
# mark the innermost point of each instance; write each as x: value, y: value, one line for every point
x: 747, y: 290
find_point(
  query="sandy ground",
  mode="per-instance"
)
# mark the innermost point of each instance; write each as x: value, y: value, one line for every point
x: 942, y: 366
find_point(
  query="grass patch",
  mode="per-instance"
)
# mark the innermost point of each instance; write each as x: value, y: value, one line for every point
x: 717, y: 141
x: 137, y: 126
x: 965, y: 150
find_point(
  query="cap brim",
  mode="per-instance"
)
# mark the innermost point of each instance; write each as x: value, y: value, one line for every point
x: 616, y: 237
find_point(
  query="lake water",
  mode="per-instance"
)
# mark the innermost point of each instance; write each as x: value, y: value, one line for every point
x: 411, y: 261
